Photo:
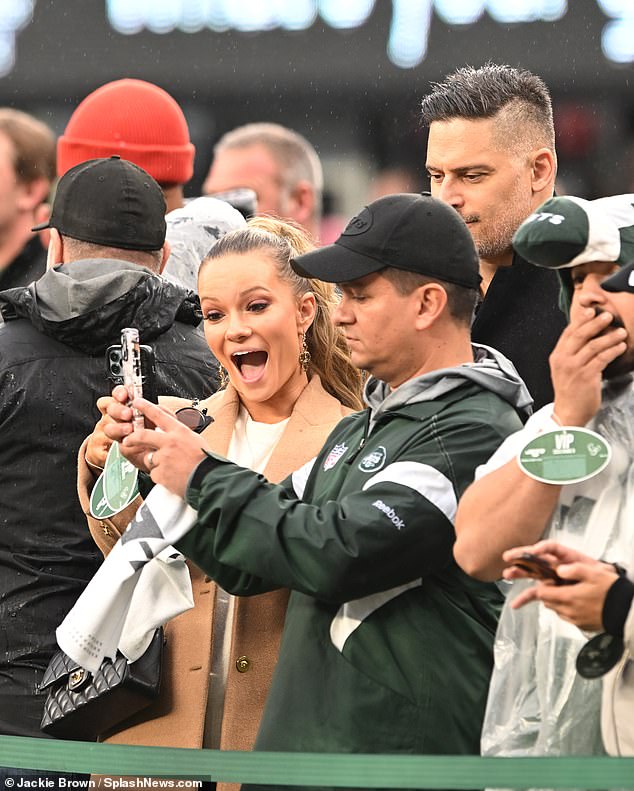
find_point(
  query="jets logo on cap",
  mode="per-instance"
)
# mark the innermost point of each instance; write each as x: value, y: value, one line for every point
x: 359, y: 224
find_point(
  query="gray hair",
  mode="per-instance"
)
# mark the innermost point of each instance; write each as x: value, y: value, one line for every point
x: 296, y: 157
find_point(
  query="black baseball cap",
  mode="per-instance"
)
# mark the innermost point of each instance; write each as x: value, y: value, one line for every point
x: 110, y: 202
x: 623, y: 280
x: 413, y: 232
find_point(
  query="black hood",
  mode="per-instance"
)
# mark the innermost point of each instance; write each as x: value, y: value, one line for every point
x: 85, y: 304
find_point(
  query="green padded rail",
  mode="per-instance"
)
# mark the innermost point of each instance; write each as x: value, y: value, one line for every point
x: 311, y: 769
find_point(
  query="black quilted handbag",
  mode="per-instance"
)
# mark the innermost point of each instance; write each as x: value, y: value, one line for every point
x: 82, y: 705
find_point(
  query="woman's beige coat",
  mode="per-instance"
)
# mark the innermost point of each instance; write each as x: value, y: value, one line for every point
x: 177, y: 718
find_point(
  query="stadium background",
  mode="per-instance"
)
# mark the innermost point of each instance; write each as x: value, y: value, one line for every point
x: 335, y: 80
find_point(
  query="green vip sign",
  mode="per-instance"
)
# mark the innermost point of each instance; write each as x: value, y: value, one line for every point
x: 567, y: 455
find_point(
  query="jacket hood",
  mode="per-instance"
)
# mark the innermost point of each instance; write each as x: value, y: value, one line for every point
x: 86, y: 304
x: 490, y: 369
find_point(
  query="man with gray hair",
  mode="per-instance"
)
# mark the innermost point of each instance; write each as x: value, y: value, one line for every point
x: 491, y: 155
x: 278, y: 164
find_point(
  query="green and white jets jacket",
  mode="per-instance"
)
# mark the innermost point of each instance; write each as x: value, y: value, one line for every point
x: 387, y: 645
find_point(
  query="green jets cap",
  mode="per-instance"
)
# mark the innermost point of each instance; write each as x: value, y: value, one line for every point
x: 568, y: 231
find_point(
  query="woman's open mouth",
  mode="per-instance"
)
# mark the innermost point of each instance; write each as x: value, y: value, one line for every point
x: 250, y: 365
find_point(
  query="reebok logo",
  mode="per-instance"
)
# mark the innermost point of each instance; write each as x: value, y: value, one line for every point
x: 391, y: 514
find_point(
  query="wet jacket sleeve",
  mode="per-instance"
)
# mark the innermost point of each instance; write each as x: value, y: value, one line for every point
x: 398, y: 527
x: 230, y: 578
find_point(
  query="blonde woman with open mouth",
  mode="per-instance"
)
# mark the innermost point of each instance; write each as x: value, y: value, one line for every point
x: 288, y: 382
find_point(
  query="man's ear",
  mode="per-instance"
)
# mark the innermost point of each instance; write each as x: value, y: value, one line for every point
x: 303, y: 199
x: 167, y: 249
x: 55, y: 254
x: 543, y: 170
x: 41, y: 215
x: 32, y: 193
x: 431, y: 304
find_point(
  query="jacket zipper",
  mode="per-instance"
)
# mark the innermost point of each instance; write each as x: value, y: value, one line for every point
x: 357, y: 450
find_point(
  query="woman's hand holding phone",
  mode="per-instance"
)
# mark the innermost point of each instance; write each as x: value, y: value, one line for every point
x: 119, y: 424
x: 99, y: 442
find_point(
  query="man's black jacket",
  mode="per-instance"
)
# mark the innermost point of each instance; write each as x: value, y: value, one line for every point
x: 52, y: 370
x: 520, y: 317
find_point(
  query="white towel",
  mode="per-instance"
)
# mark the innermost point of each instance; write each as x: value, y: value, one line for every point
x: 142, y: 584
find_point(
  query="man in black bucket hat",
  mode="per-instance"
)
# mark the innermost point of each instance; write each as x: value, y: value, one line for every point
x: 545, y: 705
x: 387, y: 645
x: 106, y: 251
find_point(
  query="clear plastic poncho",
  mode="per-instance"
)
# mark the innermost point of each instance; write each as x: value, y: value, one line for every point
x: 538, y: 704
x: 192, y: 231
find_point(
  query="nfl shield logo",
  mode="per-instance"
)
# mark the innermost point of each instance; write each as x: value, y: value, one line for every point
x: 333, y: 457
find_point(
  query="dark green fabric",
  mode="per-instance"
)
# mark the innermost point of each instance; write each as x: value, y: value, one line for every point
x: 413, y: 677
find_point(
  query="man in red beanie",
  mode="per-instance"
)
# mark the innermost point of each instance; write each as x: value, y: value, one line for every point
x: 139, y: 122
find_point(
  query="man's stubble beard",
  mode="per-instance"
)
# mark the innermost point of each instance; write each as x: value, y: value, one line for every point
x: 496, y: 242
x: 496, y: 238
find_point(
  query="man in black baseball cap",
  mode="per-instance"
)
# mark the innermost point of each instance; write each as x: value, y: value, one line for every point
x: 369, y: 643
x: 408, y: 272
x: 106, y: 250
x: 110, y: 203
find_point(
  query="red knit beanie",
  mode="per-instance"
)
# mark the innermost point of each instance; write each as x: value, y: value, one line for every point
x: 136, y: 120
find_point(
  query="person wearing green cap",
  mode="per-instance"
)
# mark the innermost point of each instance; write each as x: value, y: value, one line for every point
x: 540, y: 703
